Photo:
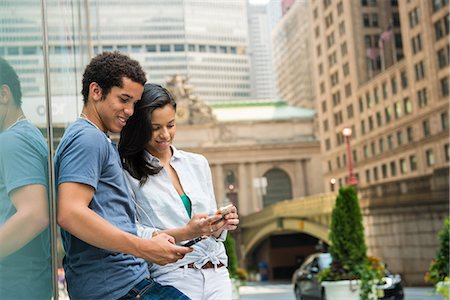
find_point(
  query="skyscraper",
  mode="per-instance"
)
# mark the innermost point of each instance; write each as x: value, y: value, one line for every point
x: 206, y: 41
x: 262, y: 69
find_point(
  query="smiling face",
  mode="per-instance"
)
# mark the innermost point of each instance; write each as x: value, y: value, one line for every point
x: 113, y: 110
x: 163, y: 127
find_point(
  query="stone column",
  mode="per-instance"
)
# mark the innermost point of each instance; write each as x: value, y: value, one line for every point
x: 255, y: 197
x: 298, y: 180
x: 219, y: 189
x: 245, y: 204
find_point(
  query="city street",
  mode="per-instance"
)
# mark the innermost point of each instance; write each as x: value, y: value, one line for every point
x: 283, y: 291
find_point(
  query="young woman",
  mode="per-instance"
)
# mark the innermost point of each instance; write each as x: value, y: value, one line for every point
x: 174, y: 194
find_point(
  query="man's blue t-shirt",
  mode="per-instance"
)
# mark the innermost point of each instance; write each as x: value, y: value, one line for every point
x: 26, y: 273
x: 86, y: 155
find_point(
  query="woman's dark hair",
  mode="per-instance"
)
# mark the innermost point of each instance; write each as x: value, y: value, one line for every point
x: 138, y: 131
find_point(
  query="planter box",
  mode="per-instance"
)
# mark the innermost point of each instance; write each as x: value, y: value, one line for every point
x: 342, y: 290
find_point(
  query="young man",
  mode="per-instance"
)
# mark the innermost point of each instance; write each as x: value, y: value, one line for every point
x: 24, y: 233
x: 104, y: 257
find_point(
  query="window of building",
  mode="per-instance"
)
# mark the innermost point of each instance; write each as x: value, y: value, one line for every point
x: 368, y: 100
x: 336, y: 97
x: 366, y: 151
x: 379, y: 119
x: 330, y: 167
x: 334, y: 78
x: 332, y: 59
x: 384, y: 170
x: 393, y: 167
x: 394, y: 85
x: 350, y: 111
x: 404, y: 79
x: 444, y: 86
x: 397, y: 109
x: 319, y: 50
x: 330, y: 40
x: 320, y: 69
x: 370, y: 121
x: 402, y: 163
x: 390, y: 142
x: 407, y: 105
x: 416, y: 43
x: 444, y: 121
x: 396, y: 19
x: 327, y: 144
x: 412, y: 162
x: 363, y: 127
x: 420, y: 70
x: 426, y: 128
x: 442, y: 57
x: 345, y: 69
x: 373, y: 148
x: 441, y: 27
x: 354, y: 156
x: 341, y: 28
x: 348, y: 90
x: 322, y: 87
x: 387, y: 114
x: 202, y: 48
x: 179, y: 48
x: 410, y: 134
x: 315, y: 13
x: 430, y: 157
x: 384, y: 89
x: 338, y: 162
x: 381, y: 145
x: 325, y: 125
x: 329, y: 20
x: 368, y: 176
x: 340, y: 8
x: 399, y: 138
x: 375, y: 95
x: 191, y: 48
x: 324, y: 106
x: 361, y: 104
x: 279, y: 187
x: 414, y: 17
x: 447, y: 152
x: 150, y: 48
x: 422, y: 98
x: 344, y: 49
x: 164, y: 48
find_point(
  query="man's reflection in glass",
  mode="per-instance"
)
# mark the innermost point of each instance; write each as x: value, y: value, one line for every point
x: 24, y: 218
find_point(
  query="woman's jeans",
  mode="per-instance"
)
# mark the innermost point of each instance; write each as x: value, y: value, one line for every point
x: 149, y: 289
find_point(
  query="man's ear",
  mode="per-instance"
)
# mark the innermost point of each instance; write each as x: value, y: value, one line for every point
x: 95, y: 91
x: 5, y: 94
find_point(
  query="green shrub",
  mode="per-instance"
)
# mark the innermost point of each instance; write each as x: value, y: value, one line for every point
x: 230, y: 248
x: 439, y: 267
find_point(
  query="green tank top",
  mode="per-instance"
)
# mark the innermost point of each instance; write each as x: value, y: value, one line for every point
x: 187, y: 204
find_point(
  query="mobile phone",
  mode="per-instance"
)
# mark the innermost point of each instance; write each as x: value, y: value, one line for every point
x: 193, y: 241
x: 222, y: 211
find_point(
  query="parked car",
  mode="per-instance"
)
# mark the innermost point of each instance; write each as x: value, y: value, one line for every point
x: 307, y: 286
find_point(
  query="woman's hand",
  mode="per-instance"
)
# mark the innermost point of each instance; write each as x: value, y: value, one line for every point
x: 201, y: 224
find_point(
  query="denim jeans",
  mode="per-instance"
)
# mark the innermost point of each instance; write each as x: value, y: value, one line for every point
x: 149, y: 289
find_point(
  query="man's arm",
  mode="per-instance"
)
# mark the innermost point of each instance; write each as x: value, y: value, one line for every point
x: 75, y: 216
x: 30, y: 219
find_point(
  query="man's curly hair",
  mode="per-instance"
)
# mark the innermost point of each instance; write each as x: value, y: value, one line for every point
x: 108, y: 70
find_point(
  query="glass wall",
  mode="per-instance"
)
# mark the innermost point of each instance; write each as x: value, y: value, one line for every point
x: 43, y: 50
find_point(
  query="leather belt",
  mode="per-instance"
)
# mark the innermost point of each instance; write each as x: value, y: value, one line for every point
x: 208, y: 265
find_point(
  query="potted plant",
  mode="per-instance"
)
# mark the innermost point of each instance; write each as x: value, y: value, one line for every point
x: 438, y: 272
x: 351, y: 274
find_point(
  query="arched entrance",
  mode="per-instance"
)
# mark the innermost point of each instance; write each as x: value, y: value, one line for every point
x: 279, y: 255
x: 279, y: 187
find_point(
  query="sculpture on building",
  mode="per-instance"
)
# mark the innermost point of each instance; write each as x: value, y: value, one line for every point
x: 190, y: 109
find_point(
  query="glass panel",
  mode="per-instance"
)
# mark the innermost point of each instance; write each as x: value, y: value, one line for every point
x: 25, y: 247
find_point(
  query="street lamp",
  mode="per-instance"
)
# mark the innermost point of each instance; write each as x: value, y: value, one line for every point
x: 351, y: 180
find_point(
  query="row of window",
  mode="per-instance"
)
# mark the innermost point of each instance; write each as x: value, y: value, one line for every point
x: 403, y: 165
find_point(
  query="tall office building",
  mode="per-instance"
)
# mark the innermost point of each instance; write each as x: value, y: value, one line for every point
x: 262, y: 70
x: 382, y: 71
x: 206, y: 41
x: 291, y: 40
